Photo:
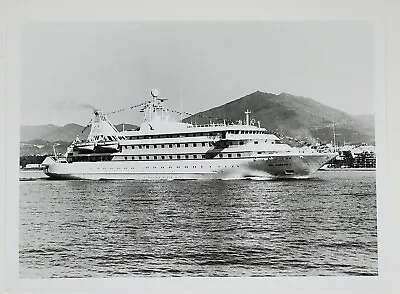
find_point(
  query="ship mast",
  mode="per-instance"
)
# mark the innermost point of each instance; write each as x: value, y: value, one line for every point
x: 247, y: 112
x: 180, y: 96
x: 334, y: 137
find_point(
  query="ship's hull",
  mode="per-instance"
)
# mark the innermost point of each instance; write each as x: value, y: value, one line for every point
x: 284, y: 166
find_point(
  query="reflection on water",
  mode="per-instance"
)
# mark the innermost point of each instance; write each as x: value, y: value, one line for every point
x: 321, y: 226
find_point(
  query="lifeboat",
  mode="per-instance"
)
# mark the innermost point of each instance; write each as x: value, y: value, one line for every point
x: 84, y: 146
x: 106, y: 146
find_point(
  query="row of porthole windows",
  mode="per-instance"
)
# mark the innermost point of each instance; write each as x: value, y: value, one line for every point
x: 186, y: 156
x: 174, y: 136
x: 229, y: 155
x: 178, y: 145
x: 88, y: 158
x: 158, y: 157
x: 193, y: 135
x: 154, y: 167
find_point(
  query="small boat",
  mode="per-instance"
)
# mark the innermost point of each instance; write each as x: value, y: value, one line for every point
x: 104, y: 146
x: 84, y: 146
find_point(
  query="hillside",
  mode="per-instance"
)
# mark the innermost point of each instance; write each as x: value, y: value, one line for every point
x: 66, y: 133
x: 36, y: 132
x: 39, y: 140
x: 292, y: 116
x: 42, y: 147
x: 368, y: 120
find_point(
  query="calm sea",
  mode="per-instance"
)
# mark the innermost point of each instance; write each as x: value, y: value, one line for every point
x: 325, y: 225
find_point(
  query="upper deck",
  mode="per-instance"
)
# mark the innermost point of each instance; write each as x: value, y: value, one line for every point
x: 213, y: 132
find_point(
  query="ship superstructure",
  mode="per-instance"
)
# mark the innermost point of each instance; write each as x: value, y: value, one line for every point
x: 166, y: 149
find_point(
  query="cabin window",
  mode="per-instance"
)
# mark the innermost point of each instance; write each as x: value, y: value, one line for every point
x: 162, y: 157
x: 155, y: 146
x: 126, y: 157
x: 186, y: 145
x: 170, y: 145
x: 162, y: 145
x: 140, y: 157
x: 178, y: 157
x: 178, y: 145
x: 147, y: 146
x: 147, y: 157
x: 239, y: 155
x: 194, y: 145
x: 170, y: 157
x: 203, y: 144
x: 220, y: 155
x: 255, y: 142
x: 229, y: 155
x: 186, y: 156
x: 140, y: 146
x: 203, y: 156
x: 241, y: 143
x: 155, y: 157
x: 195, y: 156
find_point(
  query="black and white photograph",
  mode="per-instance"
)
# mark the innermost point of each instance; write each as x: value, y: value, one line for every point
x: 197, y: 149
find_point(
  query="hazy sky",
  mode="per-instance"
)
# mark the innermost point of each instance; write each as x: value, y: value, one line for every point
x: 66, y: 68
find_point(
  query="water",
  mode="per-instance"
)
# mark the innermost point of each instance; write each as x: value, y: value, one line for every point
x: 321, y: 226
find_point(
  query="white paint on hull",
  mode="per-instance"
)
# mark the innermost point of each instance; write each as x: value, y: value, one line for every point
x: 270, y: 167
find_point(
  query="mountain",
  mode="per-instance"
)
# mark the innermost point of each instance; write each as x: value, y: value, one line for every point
x: 292, y: 116
x: 368, y: 120
x: 39, y: 140
x: 42, y: 147
x: 34, y: 132
x: 66, y: 133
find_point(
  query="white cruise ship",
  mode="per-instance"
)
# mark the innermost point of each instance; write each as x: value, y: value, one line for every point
x: 165, y: 149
